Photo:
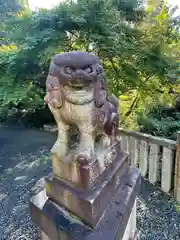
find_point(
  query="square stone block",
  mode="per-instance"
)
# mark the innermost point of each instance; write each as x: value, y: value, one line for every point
x: 85, y: 176
x: 88, y: 205
x: 56, y: 223
x: 130, y: 233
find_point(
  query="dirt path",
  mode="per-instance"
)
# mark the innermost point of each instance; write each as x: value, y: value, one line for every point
x: 23, y: 164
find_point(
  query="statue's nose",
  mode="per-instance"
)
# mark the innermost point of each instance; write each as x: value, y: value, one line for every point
x: 79, y: 73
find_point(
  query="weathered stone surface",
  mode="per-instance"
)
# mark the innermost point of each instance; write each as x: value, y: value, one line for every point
x: 87, y: 161
x: 88, y: 205
x: 55, y: 221
x: 85, y: 176
x: 78, y: 97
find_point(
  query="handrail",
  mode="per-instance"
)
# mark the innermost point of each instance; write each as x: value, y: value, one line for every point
x: 171, y: 144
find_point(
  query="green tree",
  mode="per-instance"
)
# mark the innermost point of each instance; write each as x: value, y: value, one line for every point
x: 159, y: 66
x: 7, y: 8
x: 11, y: 6
x: 131, y: 49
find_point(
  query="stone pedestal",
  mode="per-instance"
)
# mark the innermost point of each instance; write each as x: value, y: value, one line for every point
x: 117, y: 221
x: 88, y: 203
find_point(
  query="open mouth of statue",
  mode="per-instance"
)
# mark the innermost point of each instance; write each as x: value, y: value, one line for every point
x: 78, y: 93
x: 76, y: 86
x: 80, y: 87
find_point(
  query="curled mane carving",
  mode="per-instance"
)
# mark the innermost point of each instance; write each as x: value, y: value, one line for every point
x: 106, y: 104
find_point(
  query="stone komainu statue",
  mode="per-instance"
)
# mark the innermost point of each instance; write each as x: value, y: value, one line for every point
x: 77, y: 95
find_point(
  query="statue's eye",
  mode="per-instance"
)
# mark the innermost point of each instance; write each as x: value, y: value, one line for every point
x: 88, y: 70
x: 68, y: 70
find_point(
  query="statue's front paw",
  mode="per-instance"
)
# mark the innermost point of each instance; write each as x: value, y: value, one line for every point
x: 84, y: 158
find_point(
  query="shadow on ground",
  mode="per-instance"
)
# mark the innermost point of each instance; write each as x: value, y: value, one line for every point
x: 24, y: 161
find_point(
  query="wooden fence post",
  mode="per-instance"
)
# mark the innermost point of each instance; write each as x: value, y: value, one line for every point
x: 143, y: 157
x: 177, y: 170
x: 167, y: 169
x: 154, y: 163
x: 125, y: 143
x: 134, y: 151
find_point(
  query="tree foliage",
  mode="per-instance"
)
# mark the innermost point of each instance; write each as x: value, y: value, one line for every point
x: 8, y: 7
x: 133, y: 44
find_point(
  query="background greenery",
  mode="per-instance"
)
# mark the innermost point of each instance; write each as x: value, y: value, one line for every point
x: 138, y: 45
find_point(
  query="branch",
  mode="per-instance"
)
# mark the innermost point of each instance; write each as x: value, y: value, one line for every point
x: 132, y: 107
x: 114, y: 67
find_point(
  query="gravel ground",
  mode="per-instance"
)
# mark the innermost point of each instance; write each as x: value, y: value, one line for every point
x: 24, y: 163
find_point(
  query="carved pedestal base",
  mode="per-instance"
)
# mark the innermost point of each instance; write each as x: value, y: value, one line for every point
x: 83, y: 177
x: 117, y: 222
x: 88, y: 205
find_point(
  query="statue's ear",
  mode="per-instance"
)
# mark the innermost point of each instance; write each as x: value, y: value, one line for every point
x: 52, y: 83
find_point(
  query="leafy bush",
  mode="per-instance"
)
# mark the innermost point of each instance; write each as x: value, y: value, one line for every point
x: 160, y: 121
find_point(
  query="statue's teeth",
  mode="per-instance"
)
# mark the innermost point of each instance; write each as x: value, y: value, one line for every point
x: 76, y: 85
